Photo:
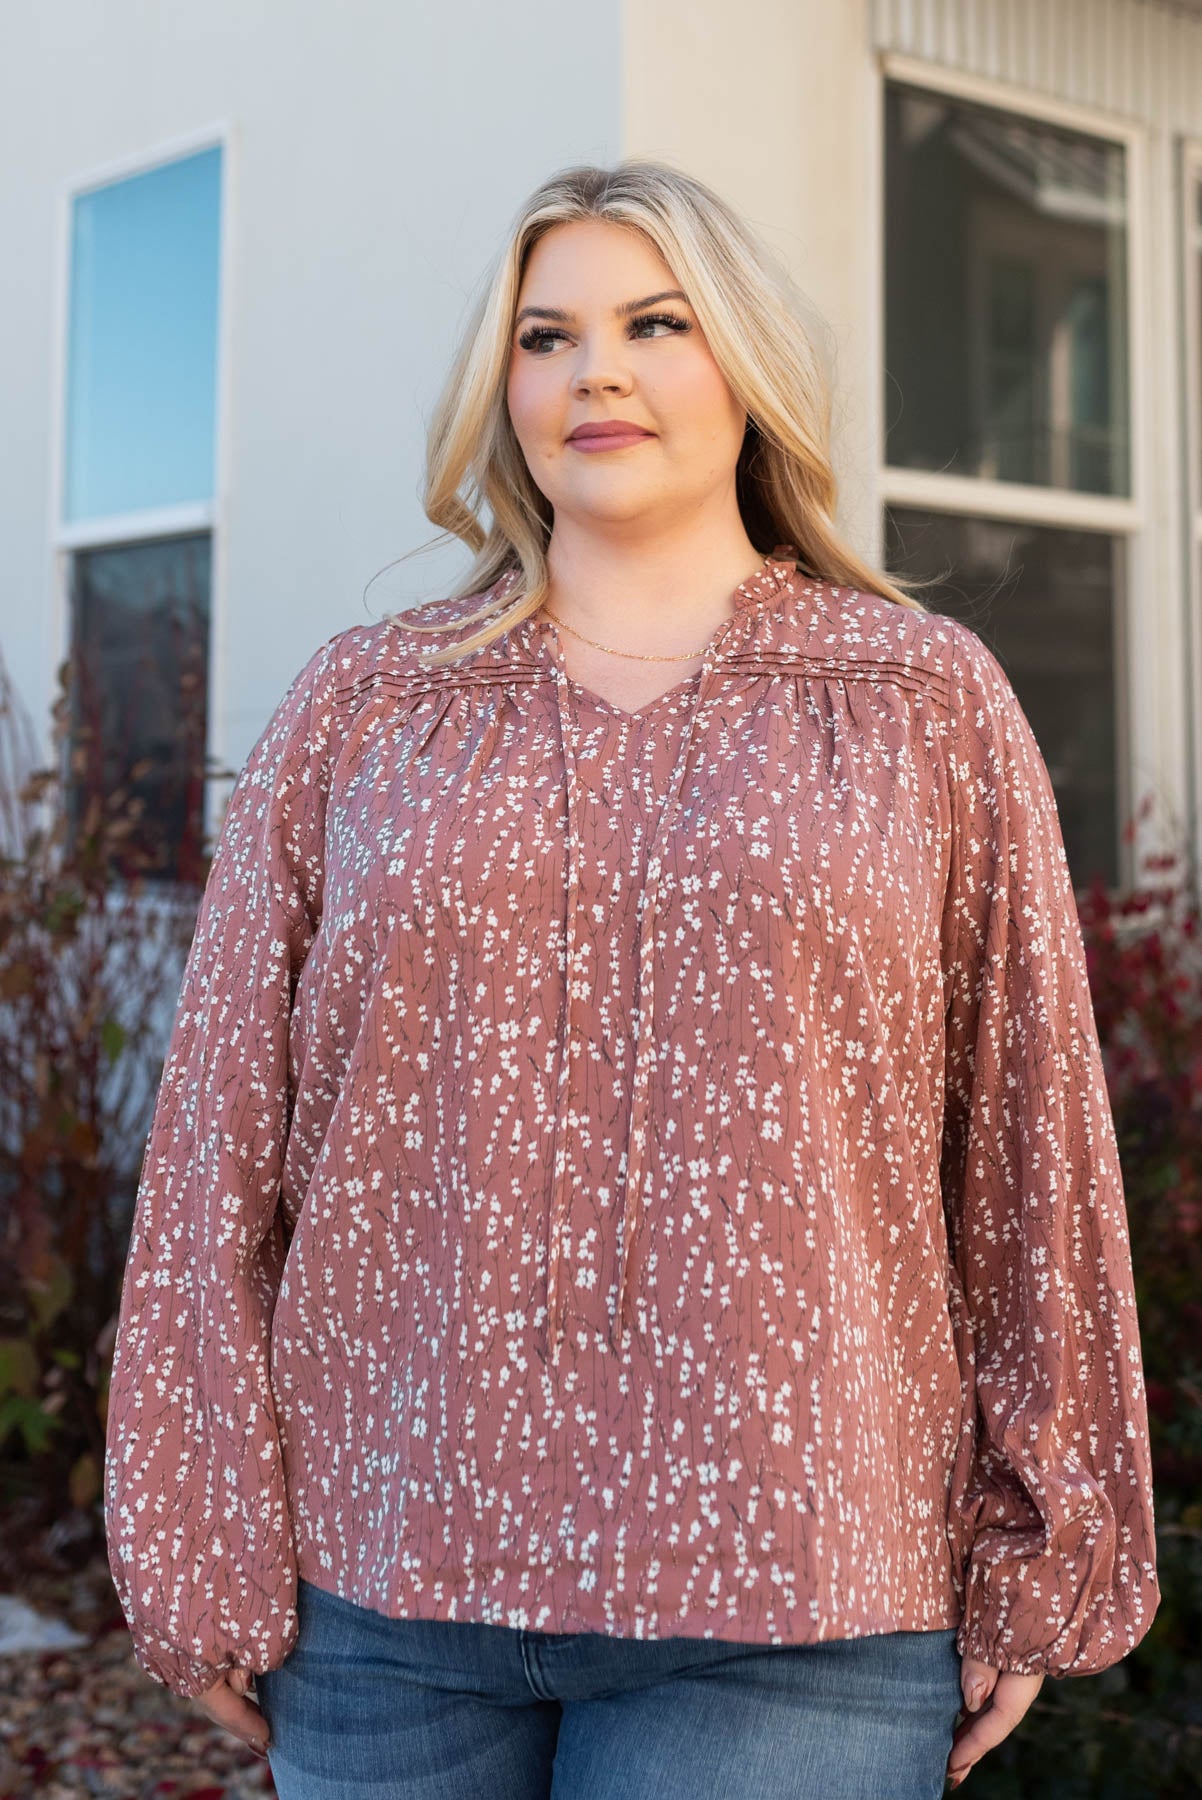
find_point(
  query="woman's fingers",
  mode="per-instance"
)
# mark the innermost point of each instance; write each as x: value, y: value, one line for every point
x: 979, y: 1732
x: 977, y: 1681
x: 226, y: 1705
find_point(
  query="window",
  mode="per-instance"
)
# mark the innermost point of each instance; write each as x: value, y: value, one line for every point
x: 1007, y: 418
x: 1005, y: 252
x: 140, y: 634
x: 1056, y: 629
x: 137, y: 497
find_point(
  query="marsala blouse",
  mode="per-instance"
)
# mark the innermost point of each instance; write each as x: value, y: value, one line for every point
x: 644, y: 1172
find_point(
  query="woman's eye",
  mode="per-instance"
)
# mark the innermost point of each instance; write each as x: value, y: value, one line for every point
x: 533, y: 338
x: 669, y: 319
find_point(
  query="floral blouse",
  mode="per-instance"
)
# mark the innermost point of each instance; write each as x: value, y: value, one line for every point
x: 643, y: 1172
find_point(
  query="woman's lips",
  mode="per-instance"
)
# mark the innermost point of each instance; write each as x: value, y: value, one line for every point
x: 610, y: 440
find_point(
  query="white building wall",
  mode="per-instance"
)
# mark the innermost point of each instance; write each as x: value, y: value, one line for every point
x: 373, y: 158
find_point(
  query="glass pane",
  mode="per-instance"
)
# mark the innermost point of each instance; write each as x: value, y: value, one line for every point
x: 142, y: 346
x: 139, y: 695
x: 1005, y: 296
x: 1048, y: 603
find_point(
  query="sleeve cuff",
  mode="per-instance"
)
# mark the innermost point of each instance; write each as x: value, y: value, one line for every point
x: 187, y: 1676
x: 1093, y: 1634
x: 974, y: 1641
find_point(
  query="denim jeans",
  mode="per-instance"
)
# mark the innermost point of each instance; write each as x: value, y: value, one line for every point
x: 371, y: 1708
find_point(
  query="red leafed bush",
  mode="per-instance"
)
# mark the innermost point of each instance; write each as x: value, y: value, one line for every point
x: 89, y: 969
x: 1144, y: 955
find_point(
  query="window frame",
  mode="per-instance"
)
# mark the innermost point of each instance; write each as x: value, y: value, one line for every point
x: 1121, y: 516
x: 1190, y: 240
x: 66, y: 539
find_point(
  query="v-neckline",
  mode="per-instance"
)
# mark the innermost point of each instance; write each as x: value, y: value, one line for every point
x: 632, y: 715
x: 750, y: 598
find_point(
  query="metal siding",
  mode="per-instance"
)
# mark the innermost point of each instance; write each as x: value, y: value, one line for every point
x: 1139, y: 58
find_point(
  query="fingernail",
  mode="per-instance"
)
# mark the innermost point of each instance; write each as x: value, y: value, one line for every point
x: 976, y: 1693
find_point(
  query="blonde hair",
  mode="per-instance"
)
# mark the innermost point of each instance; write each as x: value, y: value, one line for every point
x: 756, y: 323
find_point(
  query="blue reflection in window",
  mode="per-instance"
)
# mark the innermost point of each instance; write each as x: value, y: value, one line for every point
x: 142, y: 345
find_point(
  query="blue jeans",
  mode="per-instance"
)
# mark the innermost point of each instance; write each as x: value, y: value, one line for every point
x: 371, y: 1708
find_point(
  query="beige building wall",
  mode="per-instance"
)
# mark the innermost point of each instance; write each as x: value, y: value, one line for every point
x: 774, y: 103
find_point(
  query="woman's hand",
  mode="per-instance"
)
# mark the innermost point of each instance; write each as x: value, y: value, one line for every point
x: 988, y: 1724
x: 226, y: 1704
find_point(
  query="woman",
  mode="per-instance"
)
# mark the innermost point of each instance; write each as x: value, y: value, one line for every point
x: 630, y: 1273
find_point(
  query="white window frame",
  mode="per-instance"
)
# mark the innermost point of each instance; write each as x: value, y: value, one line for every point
x: 66, y: 539
x: 1119, y: 516
x: 1191, y: 299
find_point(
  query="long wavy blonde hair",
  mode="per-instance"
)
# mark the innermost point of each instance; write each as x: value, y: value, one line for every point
x: 758, y: 327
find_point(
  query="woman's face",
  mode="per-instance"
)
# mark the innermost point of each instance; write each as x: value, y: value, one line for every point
x: 649, y: 366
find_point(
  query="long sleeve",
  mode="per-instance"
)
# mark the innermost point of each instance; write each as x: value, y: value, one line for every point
x: 1051, y: 1497
x: 198, y: 1533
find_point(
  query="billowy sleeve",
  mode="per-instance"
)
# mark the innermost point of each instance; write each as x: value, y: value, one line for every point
x: 196, y: 1518
x: 1050, y: 1511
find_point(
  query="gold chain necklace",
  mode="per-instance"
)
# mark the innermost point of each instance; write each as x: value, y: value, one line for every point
x: 639, y: 655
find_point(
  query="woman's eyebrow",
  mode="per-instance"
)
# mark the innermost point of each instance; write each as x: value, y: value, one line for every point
x: 627, y: 306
